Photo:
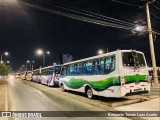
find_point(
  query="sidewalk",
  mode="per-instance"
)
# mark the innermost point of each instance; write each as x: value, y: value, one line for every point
x: 152, y: 105
x: 155, y: 88
x: 3, y: 89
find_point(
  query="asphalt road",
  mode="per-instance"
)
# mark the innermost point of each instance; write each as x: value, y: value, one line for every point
x: 24, y: 97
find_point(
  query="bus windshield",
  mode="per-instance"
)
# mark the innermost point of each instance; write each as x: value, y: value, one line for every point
x: 57, y: 69
x: 133, y: 59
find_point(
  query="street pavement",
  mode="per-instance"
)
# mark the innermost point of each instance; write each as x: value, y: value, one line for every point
x: 23, y: 97
x: 29, y: 96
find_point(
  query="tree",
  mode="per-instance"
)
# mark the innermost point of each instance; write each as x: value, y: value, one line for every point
x: 4, y: 70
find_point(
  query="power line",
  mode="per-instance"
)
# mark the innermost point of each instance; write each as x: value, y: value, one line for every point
x: 124, y: 3
x: 91, y: 14
x: 155, y: 7
x: 156, y: 32
x: 155, y: 15
x: 157, y: 2
x: 82, y: 18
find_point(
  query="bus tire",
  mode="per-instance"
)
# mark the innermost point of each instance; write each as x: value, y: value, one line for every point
x: 89, y: 93
x: 62, y: 88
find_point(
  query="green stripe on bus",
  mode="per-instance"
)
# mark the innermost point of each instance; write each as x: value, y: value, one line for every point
x: 103, y: 84
x: 135, y: 78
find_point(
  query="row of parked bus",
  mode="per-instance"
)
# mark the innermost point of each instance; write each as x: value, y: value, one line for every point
x: 113, y: 74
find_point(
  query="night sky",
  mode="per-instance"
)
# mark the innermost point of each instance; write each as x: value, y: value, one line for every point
x: 23, y: 29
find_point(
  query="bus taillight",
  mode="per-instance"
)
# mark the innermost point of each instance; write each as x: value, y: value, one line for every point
x: 122, y: 81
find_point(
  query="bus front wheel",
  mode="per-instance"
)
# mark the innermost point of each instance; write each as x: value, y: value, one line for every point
x: 89, y: 93
x: 62, y: 88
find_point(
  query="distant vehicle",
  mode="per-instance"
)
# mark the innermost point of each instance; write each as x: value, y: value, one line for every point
x: 114, y: 74
x: 23, y: 75
x: 50, y: 75
x: 17, y: 75
x: 1, y: 77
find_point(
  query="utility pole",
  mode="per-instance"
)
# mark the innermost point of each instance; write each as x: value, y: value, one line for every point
x: 32, y: 67
x: 43, y: 59
x: 151, y: 41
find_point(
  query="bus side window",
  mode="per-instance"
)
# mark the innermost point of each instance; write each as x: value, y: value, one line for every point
x: 113, y: 66
x: 51, y: 72
x: 71, y: 69
x: 93, y: 68
x: 66, y: 70
x: 107, y: 68
x: 75, y: 69
x: 62, y: 71
x: 96, y: 67
x: 84, y: 69
x: 79, y: 69
x: 109, y: 64
x: 102, y: 66
x: 89, y: 67
x: 42, y: 73
x: 47, y: 72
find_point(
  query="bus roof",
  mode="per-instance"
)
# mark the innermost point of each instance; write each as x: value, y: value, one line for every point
x: 99, y: 56
x: 50, y: 66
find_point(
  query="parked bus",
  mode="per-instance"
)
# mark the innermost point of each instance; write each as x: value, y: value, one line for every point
x: 113, y: 74
x: 26, y: 75
x: 29, y: 75
x: 23, y: 75
x: 50, y: 75
x: 36, y: 76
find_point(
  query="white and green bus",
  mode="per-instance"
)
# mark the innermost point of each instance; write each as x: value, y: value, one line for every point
x: 113, y: 74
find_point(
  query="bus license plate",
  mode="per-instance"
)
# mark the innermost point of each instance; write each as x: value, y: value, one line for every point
x: 139, y: 89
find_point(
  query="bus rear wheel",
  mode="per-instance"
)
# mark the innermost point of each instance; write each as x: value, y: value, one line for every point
x: 89, y: 93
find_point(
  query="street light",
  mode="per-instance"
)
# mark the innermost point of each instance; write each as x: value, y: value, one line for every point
x: 48, y: 52
x: 31, y: 65
x: 100, y: 52
x: 139, y: 29
x: 6, y: 54
x: 41, y: 52
x: 23, y: 67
